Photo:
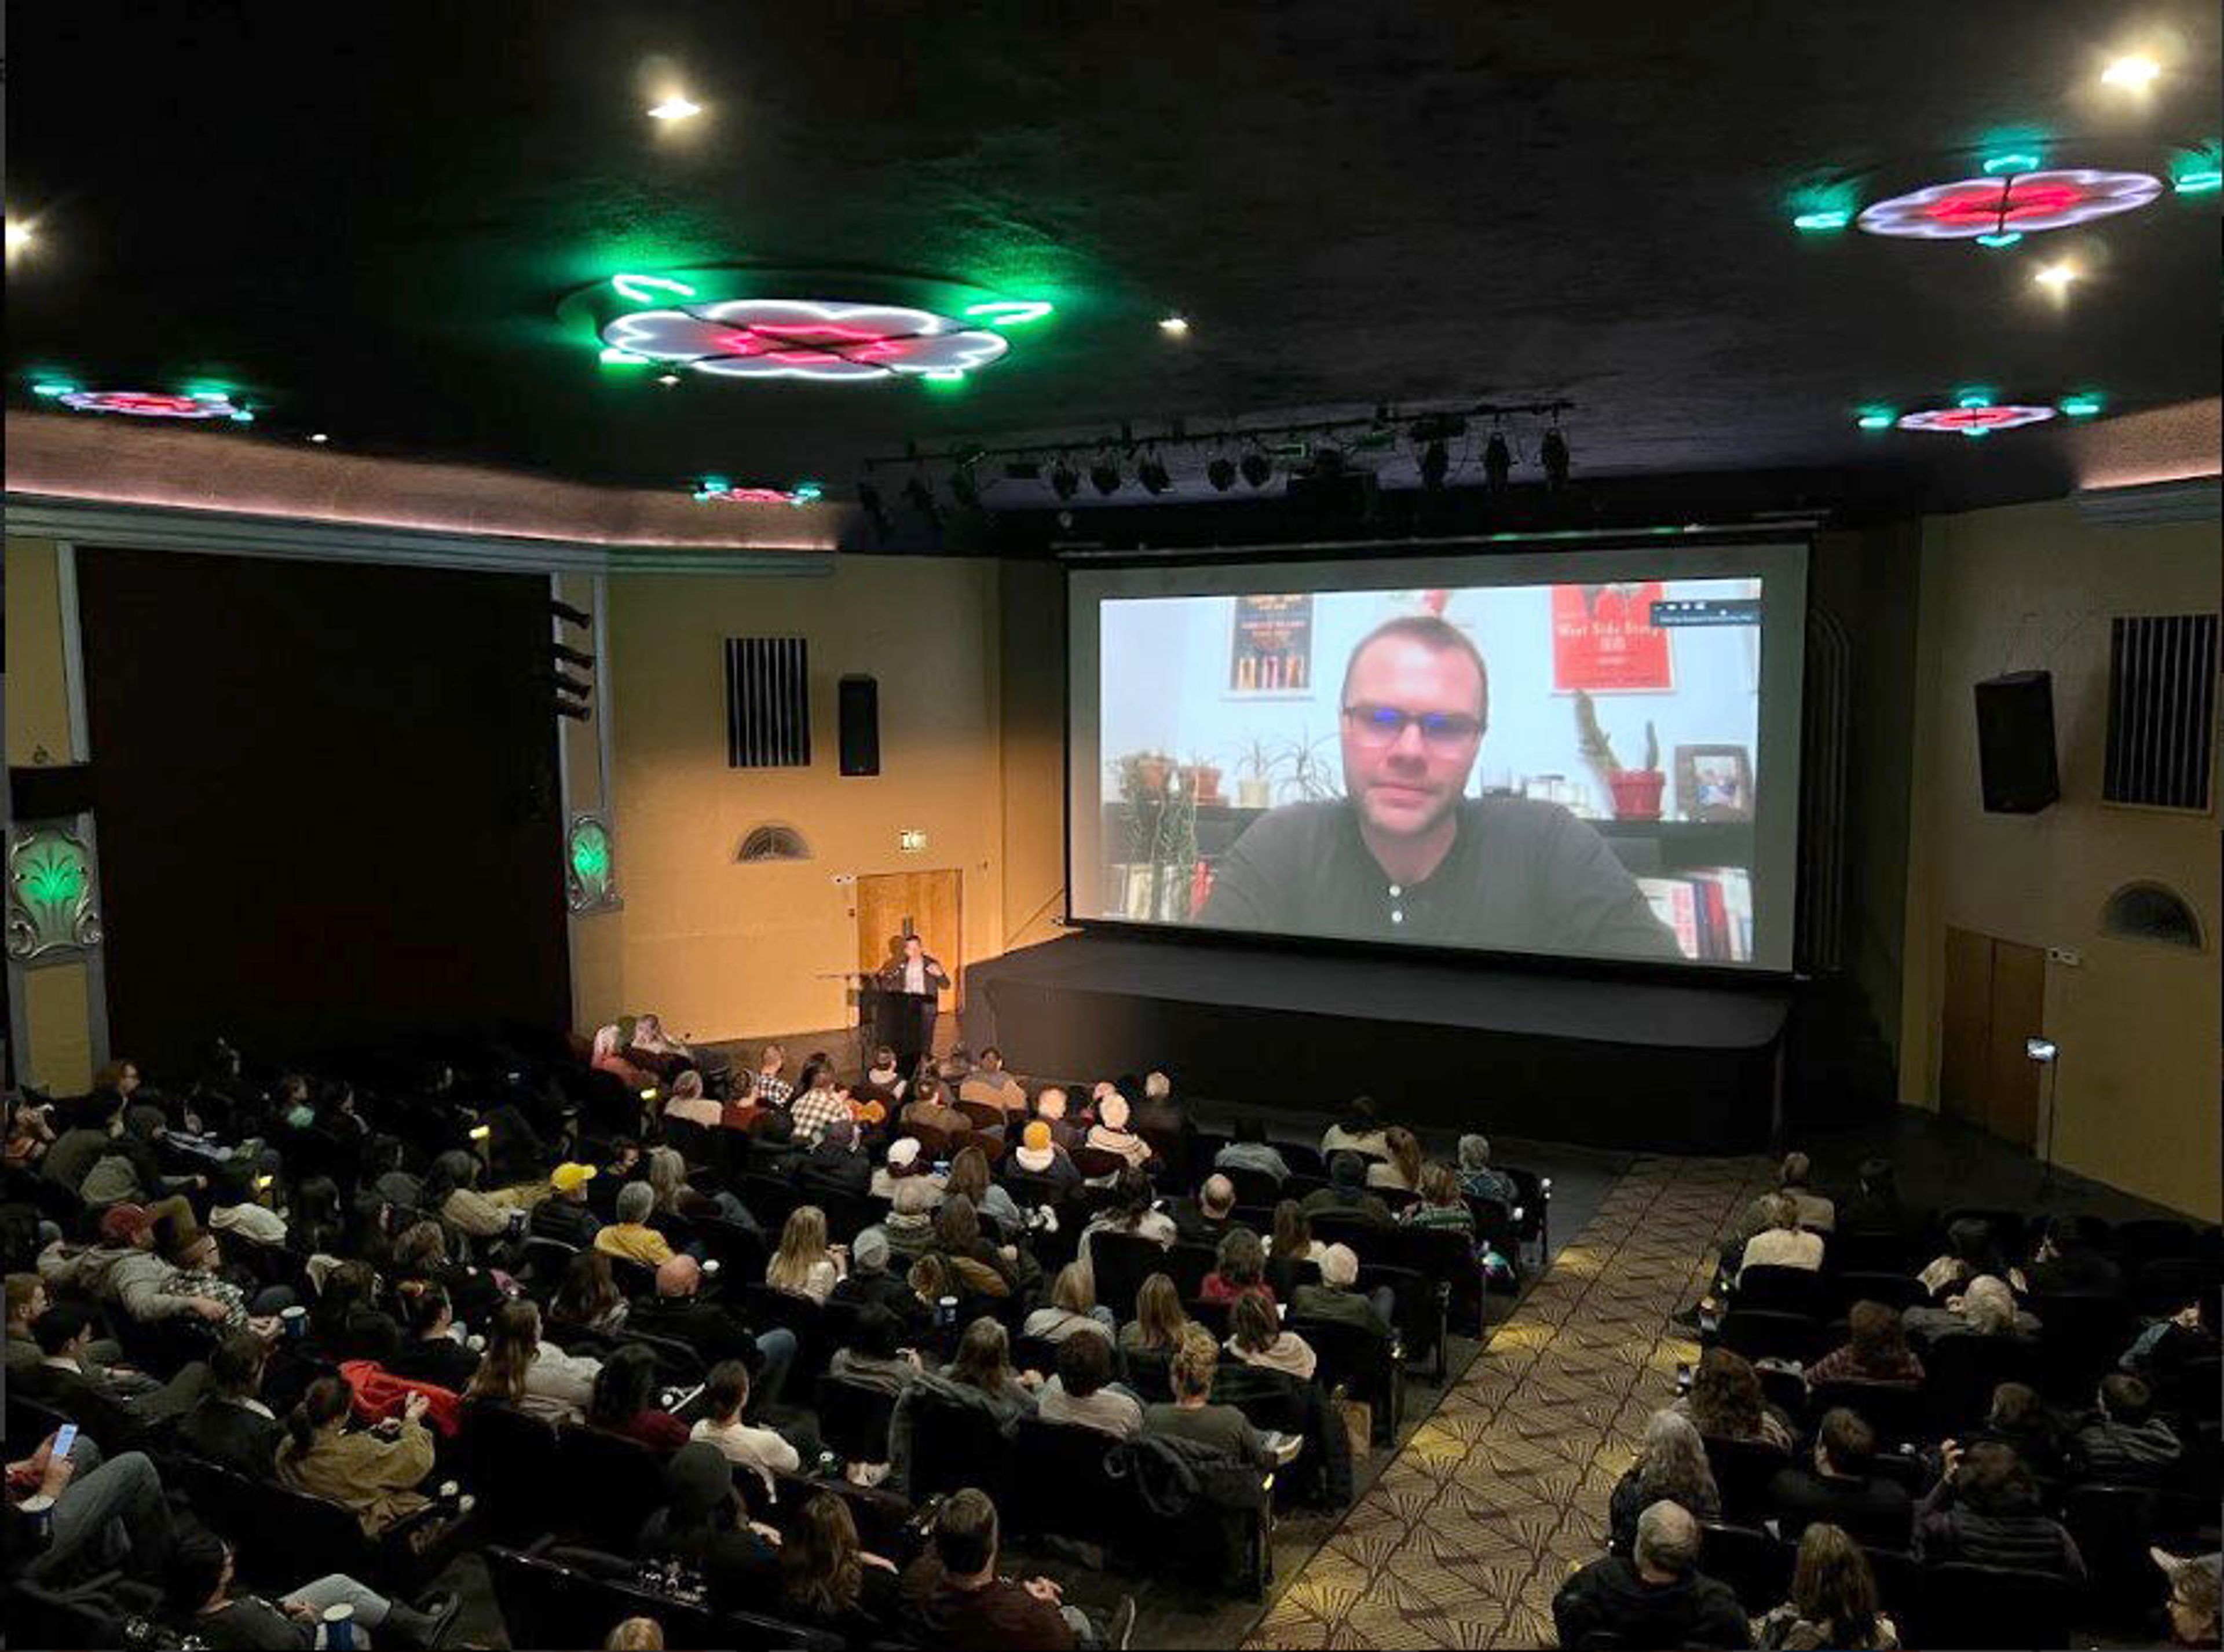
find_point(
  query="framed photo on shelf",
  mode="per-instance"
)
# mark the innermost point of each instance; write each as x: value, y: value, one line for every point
x: 1714, y: 782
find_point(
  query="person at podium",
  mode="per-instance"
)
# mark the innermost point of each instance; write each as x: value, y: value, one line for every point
x: 915, y: 972
x: 1404, y: 854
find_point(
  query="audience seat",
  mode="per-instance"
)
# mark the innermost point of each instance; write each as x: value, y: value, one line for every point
x: 1254, y: 1188
x: 1121, y: 1263
x: 566, y: 1605
x: 764, y: 1306
x: 1369, y: 1367
x: 955, y: 1445
x: 285, y: 1537
x: 510, y: 1459
x: 2081, y: 1334
x: 1186, y: 1265
x: 1064, y: 1491
x: 2150, y: 1238
x: 1754, y: 1564
x: 1784, y: 1290
x: 609, y: 1486
x: 1894, y: 1410
x: 1763, y: 1333
x: 1897, y: 1291
x: 2161, y: 1285
x: 1995, y: 1609
x: 1960, y: 1374
x: 1743, y: 1469
x: 769, y: 1200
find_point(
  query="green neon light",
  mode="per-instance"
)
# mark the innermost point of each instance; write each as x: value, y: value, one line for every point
x: 715, y: 485
x: 2015, y: 161
x: 613, y: 356
x: 591, y: 855
x: 2006, y: 239
x: 1009, y: 312
x: 243, y: 417
x: 2205, y: 182
x: 2083, y: 406
x: 1877, y: 419
x: 1975, y: 399
x: 52, y: 387
x: 642, y: 289
x: 808, y: 490
x: 945, y: 379
x: 1816, y: 223
x: 1974, y: 431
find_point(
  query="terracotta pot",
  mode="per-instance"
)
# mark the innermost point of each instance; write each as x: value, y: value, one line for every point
x: 1636, y: 793
x: 1152, y: 774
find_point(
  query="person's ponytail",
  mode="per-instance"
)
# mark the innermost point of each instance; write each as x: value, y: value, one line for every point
x: 325, y: 1403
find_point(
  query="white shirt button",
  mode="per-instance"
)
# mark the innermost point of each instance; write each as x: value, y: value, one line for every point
x: 1397, y: 917
x: 1396, y: 890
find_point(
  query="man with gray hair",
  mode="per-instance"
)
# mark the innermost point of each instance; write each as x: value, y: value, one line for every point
x: 1478, y: 1179
x: 1656, y: 1597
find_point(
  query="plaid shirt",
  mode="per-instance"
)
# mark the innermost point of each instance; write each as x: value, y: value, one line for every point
x: 772, y: 1092
x: 813, y: 1110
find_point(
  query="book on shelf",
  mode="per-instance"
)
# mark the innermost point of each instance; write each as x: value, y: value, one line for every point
x: 1709, y: 909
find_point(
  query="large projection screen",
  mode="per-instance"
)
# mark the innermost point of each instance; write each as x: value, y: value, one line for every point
x: 1588, y: 754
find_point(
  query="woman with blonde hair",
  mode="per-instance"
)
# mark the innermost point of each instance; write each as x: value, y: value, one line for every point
x: 1159, y: 1320
x: 805, y: 1265
x: 1073, y: 1307
x: 1401, y: 1171
x: 519, y: 1369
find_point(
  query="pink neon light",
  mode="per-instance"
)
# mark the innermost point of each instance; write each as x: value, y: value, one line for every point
x: 2021, y: 203
x: 1962, y: 420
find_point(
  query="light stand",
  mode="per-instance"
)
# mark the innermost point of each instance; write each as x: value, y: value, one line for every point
x: 2048, y: 1054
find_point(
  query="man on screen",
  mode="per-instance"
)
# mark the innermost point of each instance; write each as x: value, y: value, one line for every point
x: 1405, y: 854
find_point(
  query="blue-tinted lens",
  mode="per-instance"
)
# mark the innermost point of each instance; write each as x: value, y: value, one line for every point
x: 1388, y: 720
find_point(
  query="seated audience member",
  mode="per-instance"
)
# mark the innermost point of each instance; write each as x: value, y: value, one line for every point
x: 984, y: 1266
x: 519, y: 1369
x: 1159, y: 1320
x: 2066, y: 1262
x: 452, y: 1193
x: 1191, y: 1415
x: 825, y: 1101
x: 837, y: 1169
x: 1781, y: 1242
x: 1240, y: 1270
x: 231, y: 1426
x: 679, y: 1312
x: 1073, y: 1308
x: 1671, y: 1464
x: 636, y: 1635
x: 1817, y: 1214
x: 630, y: 1236
x: 347, y: 1320
x: 1132, y: 1209
x: 1205, y: 1219
x: 122, y: 1271
x: 2123, y: 1441
x: 1256, y: 1338
x: 746, y: 1103
x: 1986, y: 1510
x: 430, y: 1352
x: 1440, y: 1204
x: 910, y: 1223
x: 990, y: 1084
x: 1336, y: 1298
x: 1986, y: 1307
x: 372, y: 1472
x: 762, y: 1450
x: 929, y: 1109
x: 624, y: 1401
x: 1834, y: 1486
x: 770, y: 1089
x: 1039, y: 1154
x: 1725, y: 1402
x: 1291, y: 1246
x: 875, y: 1357
x: 1157, y: 1116
x: 608, y: 1055
x: 27, y: 1301
x: 1657, y: 1597
x: 200, y: 1586
x: 1346, y: 1192
x: 1970, y: 1252
x: 869, y: 1282
x: 1360, y: 1130
x: 1050, y: 1107
x: 980, y: 1378
x: 907, y: 1163
x: 1111, y: 1133
x: 969, y: 1175
x: 589, y: 1298
x: 1399, y: 1170
x: 829, y: 1580
x: 1083, y: 1393
x: 2160, y: 1353
x: 679, y: 1205
x: 564, y: 1214
x: 703, y: 1526
x: 1834, y: 1599
x: 2020, y: 1418
x: 772, y: 1146
x: 690, y: 1106
x: 953, y: 1597
x: 1476, y: 1178
x: 93, y: 1512
x: 199, y: 1261
x: 2194, y: 1611
x: 804, y: 1264
x: 1875, y: 1206
x: 1876, y: 1352
x: 66, y: 1377
x: 885, y: 1077
x: 1250, y: 1150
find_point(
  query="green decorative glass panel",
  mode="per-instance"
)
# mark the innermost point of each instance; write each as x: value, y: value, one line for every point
x: 587, y: 865
x: 51, y: 899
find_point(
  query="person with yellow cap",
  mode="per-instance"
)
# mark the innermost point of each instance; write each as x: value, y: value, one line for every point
x: 564, y: 1214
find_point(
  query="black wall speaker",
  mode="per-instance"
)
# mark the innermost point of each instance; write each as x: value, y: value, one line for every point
x: 2015, y: 743
x: 52, y: 792
x: 860, y: 700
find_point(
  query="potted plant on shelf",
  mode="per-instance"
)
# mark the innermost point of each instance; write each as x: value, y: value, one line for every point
x: 1311, y: 769
x: 1255, y: 762
x: 1636, y: 792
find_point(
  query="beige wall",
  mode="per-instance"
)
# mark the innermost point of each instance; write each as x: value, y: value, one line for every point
x: 726, y: 951
x: 2034, y: 587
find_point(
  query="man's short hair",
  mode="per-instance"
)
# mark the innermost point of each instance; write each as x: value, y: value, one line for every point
x: 2126, y: 1399
x: 60, y: 1326
x: 1084, y: 1363
x: 966, y: 1533
x: 1436, y: 635
x: 636, y: 1200
x: 236, y: 1367
x: 21, y: 1288
x: 1794, y: 1171
x: 1849, y: 1440
x: 727, y: 1387
x: 1667, y: 1538
x: 1217, y: 1196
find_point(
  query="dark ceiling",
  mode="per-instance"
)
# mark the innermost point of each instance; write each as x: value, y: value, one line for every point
x: 366, y: 217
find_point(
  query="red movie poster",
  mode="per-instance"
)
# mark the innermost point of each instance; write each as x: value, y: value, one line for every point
x: 1603, y: 638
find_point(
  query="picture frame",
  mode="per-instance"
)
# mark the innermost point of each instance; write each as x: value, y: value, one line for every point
x: 1714, y: 782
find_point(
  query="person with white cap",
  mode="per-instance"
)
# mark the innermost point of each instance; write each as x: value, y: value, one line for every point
x: 905, y: 1163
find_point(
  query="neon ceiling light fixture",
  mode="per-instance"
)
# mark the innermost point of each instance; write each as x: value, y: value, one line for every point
x: 151, y: 404
x: 808, y: 338
x: 716, y: 489
x: 647, y: 289
x: 1973, y: 418
x: 1008, y: 312
x: 1875, y: 418
x: 2020, y: 203
x: 2085, y: 404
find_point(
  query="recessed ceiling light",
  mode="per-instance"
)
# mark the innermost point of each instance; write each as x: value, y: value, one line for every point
x: 20, y: 236
x: 2133, y: 73
x: 2057, y: 276
x: 1174, y: 326
x: 320, y: 437
x: 674, y: 108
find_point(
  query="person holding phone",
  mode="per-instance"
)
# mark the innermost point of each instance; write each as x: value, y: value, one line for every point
x: 65, y: 1505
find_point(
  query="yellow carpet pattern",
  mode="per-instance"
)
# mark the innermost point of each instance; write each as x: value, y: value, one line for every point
x: 1474, y: 1525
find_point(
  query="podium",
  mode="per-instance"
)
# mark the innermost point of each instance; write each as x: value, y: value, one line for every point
x: 903, y: 1020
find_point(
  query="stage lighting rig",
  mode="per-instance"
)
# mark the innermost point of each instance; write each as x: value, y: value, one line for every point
x: 1221, y: 472
x: 1436, y: 463
x: 1497, y: 461
x: 1151, y: 471
x: 965, y: 488
x: 1554, y: 454
x: 920, y: 497
x: 876, y: 509
x: 1064, y: 479
x: 1256, y: 468
x: 1105, y: 476
x: 571, y: 616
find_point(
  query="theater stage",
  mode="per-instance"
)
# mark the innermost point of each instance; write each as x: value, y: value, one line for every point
x: 1666, y: 1068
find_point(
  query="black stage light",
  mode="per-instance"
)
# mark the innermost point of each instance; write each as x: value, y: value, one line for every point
x: 1497, y: 460
x: 571, y: 616
x: 1436, y: 465
x: 964, y: 489
x: 1555, y: 455
x: 920, y: 497
x: 1105, y: 477
x: 875, y: 507
x: 1064, y: 479
x: 1256, y: 468
x: 1220, y: 473
x: 577, y: 714
x: 572, y: 656
x: 1151, y: 471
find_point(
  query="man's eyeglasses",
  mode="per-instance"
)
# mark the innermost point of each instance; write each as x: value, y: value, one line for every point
x: 1379, y: 726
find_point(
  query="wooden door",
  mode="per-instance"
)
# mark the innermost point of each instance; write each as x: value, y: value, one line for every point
x: 2018, y: 1013
x: 930, y: 904
x: 1965, y: 1027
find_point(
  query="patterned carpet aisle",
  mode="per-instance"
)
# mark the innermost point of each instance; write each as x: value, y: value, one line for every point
x: 1467, y: 1535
